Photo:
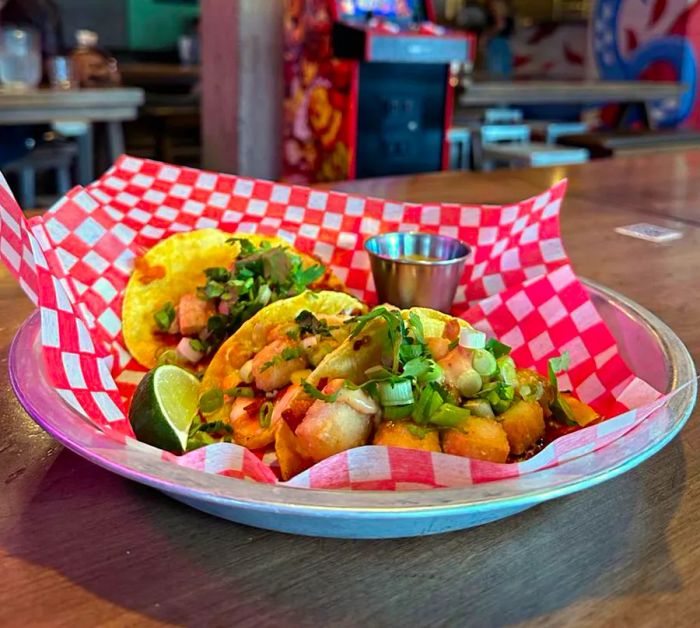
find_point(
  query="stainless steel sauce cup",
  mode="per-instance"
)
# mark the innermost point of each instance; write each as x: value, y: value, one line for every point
x: 417, y: 269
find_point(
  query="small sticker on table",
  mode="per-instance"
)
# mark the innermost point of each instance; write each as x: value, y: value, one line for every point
x: 650, y: 232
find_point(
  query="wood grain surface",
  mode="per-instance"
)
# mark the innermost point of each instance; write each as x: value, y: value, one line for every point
x: 82, y: 547
x: 483, y: 93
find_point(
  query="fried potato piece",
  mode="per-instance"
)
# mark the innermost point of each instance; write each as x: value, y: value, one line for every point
x: 331, y: 427
x: 583, y: 413
x: 536, y: 382
x: 523, y: 423
x: 290, y: 454
x: 478, y: 438
x: 400, y: 434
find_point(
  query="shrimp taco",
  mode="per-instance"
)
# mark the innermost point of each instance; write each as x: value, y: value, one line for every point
x: 421, y: 379
x: 255, y: 373
x: 193, y: 290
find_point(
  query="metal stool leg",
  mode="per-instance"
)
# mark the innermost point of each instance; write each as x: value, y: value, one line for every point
x: 62, y: 180
x: 85, y: 162
x: 27, y: 188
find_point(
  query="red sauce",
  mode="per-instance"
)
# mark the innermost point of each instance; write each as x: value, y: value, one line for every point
x: 360, y: 342
x: 147, y: 272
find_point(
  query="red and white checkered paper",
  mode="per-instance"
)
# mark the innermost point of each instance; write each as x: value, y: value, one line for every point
x: 74, y: 263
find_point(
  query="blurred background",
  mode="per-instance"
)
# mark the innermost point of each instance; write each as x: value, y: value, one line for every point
x: 324, y: 90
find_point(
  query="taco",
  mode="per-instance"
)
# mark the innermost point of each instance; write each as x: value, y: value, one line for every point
x: 421, y: 379
x: 193, y: 290
x: 255, y: 373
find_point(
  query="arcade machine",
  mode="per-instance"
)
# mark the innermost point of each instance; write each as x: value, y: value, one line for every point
x: 367, y: 88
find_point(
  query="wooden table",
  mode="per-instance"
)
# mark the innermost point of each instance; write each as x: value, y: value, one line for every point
x: 144, y: 74
x: 483, y: 93
x: 79, y: 546
x: 45, y: 106
x: 630, y: 94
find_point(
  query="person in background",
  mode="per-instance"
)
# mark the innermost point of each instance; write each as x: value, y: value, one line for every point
x: 44, y: 17
x: 499, y: 27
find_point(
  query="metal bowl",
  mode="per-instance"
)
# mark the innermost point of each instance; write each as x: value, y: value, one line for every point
x: 417, y: 269
x: 649, y: 346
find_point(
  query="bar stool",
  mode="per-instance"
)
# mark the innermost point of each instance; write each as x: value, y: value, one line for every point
x: 503, y: 115
x: 53, y: 156
x: 550, y: 132
x: 510, y: 146
x: 459, y: 140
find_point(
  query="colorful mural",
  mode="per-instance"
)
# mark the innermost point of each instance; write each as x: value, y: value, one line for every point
x: 651, y: 40
x: 319, y: 116
x: 557, y: 51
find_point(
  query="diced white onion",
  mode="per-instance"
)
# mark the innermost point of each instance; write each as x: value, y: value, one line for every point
x: 246, y: 372
x: 185, y: 350
x: 309, y: 342
x: 472, y: 339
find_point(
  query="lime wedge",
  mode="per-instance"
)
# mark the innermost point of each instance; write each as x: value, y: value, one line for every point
x: 164, y: 406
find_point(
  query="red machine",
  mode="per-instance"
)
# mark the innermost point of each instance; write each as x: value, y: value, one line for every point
x: 367, y: 88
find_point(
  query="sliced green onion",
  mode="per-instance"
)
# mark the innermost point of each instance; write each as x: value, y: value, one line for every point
x: 480, y: 407
x: 398, y: 393
x: 169, y: 356
x: 449, y: 416
x: 240, y: 391
x: 265, y: 416
x: 211, y: 400
x: 418, y: 431
x: 395, y: 413
x: 506, y: 392
x: 428, y: 402
x: 506, y: 367
x: 497, y: 348
x: 472, y: 339
x: 484, y: 363
x: 417, y: 327
x: 469, y: 383
x: 501, y: 398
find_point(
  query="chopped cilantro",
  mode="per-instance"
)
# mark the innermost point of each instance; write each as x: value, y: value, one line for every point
x: 498, y: 349
x: 417, y: 327
x: 165, y: 316
x: 269, y: 364
x: 261, y: 275
x: 310, y: 325
x: 290, y: 353
x: 314, y: 392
